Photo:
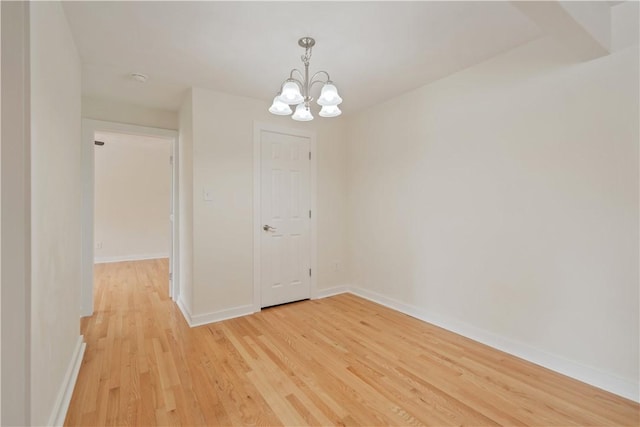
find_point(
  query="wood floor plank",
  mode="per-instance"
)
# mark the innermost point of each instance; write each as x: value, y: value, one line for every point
x: 341, y: 360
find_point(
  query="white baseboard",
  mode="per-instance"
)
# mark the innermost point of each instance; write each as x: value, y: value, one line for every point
x: 66, y: 388
x: 586, y: 374
x: 185, y: 311
x: 329, y: 292
x: 216, y: 316
x: 121, y: 258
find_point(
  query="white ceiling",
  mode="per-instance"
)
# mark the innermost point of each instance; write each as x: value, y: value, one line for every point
x: 373, y: 50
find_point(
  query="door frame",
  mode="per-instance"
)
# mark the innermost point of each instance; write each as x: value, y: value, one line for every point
x: 89, y: 128
x: 258, y: 127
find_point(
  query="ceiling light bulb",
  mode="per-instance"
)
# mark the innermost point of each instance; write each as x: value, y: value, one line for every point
x: 302, y: 114
x: 291, y: 94
x: 279, y: 108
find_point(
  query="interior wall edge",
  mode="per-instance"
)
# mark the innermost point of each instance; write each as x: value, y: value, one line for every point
x: 16, y: 213
x: 184, y: 310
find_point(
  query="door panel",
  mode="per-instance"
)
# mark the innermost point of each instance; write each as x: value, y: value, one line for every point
x: 285, y: 201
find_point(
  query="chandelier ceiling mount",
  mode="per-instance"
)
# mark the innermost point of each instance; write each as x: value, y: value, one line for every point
x: 307, y: 42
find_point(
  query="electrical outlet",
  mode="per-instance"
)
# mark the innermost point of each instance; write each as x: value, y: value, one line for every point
x: 336, y: 265
x: 98, y: 245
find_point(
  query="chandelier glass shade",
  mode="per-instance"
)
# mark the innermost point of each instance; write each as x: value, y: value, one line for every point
x: 330, y: 111
x: 329, y: 96
x: 302, y: 114
x: 279, y: 108
x: 296, y: 90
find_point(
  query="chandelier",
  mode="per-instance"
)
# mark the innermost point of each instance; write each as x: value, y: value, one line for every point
x: 297, y: 91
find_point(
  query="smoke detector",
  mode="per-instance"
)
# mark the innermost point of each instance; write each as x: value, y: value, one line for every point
x: 139, y: 77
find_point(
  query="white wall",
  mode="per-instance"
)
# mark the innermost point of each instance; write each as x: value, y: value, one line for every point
x: 185, y: 219
x: 120, y: 112
x: 624, y: 25
x: 222, y: 137
x: 0, y: 218
x: 16, y: 224
x: 55, y: 213
x: 132, y: 197
x: 502, y: 202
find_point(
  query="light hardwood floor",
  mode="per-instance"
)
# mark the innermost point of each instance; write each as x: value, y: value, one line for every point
x: 335, y: 361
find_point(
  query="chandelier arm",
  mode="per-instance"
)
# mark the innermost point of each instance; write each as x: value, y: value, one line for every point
x: 299, y: 73
x: 317, y: 81
x: 321, y: 72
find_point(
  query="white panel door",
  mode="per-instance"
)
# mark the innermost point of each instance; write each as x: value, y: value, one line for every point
x: 285, y: 258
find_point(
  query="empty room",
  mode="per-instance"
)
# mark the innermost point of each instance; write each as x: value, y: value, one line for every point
x: 320, y: 213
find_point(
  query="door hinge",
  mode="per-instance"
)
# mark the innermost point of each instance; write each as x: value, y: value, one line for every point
x: 309, y: 213
x: 170, y: 276
x: 170, y: 160
x: 309, y: 155
x: 309, y: 272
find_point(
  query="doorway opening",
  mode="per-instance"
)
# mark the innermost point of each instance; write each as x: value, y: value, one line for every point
x: 129, y: 201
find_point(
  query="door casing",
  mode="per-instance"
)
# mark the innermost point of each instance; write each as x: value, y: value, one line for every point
x: 89, y: 128
x: 258, y: 127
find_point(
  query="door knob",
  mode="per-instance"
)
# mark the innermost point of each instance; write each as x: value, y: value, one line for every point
x: 269, y: 228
